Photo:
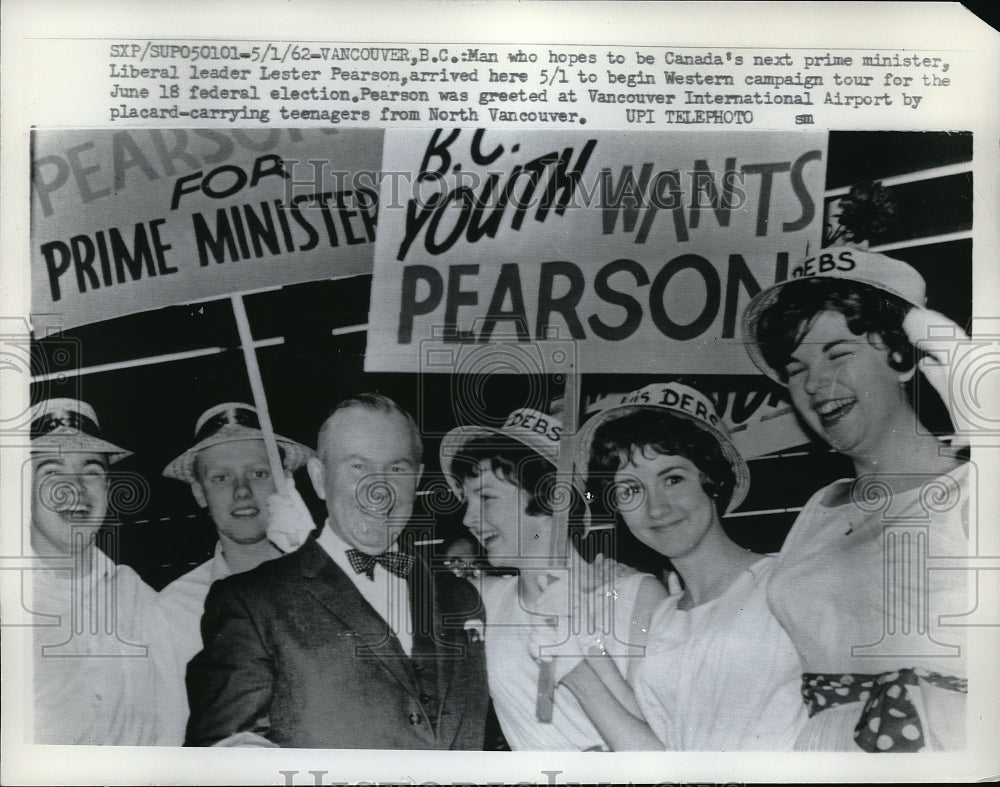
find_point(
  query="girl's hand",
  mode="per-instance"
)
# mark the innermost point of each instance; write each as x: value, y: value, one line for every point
x: 940, y: 338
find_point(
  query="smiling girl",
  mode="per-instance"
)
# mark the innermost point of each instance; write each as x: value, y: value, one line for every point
x: 508, y: 480
x: 718, y: 672
x: 882, y: 668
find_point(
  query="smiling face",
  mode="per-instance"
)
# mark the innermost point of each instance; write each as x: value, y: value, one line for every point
x: 662, y: 500
x: 843, y: 387
x: 67, y: 489
x: 496, y: 516
x: 368, y: 476
x: 234, y: 482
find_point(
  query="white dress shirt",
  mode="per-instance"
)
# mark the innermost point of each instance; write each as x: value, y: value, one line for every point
x: 93, y: 677
x: 388, y: 594
x: 176, y: 639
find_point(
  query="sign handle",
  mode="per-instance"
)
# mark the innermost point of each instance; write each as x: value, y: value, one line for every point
x: 257, y: 387
x: 545, y: 698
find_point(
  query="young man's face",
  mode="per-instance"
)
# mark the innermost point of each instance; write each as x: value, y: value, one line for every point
x: 234, y: 482
x: 496, y: 516
x: 67, y: 489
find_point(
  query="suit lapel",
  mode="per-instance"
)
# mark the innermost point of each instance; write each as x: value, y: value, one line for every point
x: 426, y: 618
x: 438, y: 650
x: 333, y: 589
x: 442, y: 647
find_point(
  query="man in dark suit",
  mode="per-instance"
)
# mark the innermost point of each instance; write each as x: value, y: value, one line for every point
x: 348, y: 642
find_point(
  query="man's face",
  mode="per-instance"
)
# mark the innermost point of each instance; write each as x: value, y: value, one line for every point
x: 234, y: 482
x: 368, y: 476
x: 67, y: 489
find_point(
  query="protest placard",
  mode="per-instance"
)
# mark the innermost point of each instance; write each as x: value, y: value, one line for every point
x: 642, y: 247
x: 130, y: 220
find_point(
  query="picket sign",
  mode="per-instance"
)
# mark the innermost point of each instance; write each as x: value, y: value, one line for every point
x: 545, y: 698
x: 257, y: 389
x: 128, y: 221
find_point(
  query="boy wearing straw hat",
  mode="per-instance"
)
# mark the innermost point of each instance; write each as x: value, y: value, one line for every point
x: 228, y: 471
x: 93, y: 680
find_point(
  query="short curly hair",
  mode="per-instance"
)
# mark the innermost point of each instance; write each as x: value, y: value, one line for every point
x: 518, y: 464
x: 869, y: 311
x: 656, y: 431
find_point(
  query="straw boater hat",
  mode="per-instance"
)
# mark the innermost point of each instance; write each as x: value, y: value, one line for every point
x: 70, y: 426
x: 532, y: 428
x: 848, y: 263
x: 681, y: 401
x: 228, y: 423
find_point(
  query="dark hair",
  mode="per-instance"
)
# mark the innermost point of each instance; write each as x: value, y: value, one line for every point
x: 381, y: 404
x: 654, y: 431
x: 518, y: 464
x: 868, y: 311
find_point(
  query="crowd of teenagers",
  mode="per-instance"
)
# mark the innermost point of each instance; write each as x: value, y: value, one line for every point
x: 341, y: 634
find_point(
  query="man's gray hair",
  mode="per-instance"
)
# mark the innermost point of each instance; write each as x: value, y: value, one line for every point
x: 378, y: 403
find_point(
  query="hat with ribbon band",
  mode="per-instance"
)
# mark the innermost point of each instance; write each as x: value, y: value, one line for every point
x: 681, y: 401
x: 69, y: 425
x: 531, y: 428
x: 228, y: 423
x: 847, y: 263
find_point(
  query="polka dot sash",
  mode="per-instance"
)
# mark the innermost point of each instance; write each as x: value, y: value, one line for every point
x: 889, y: 720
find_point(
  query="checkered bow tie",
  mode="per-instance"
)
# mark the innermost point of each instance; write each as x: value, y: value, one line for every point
x: 396, y: 562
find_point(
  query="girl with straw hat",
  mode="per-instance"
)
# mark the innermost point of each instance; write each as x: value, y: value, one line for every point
x: 882, y: 670
x: 718, y: 672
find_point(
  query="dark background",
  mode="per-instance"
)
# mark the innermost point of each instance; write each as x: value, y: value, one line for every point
x: 151, y: 409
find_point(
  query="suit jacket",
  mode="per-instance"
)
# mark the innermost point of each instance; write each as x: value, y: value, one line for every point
x: 294, y: 653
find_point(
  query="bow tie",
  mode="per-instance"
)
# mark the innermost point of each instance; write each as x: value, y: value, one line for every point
x: 396, y: 562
